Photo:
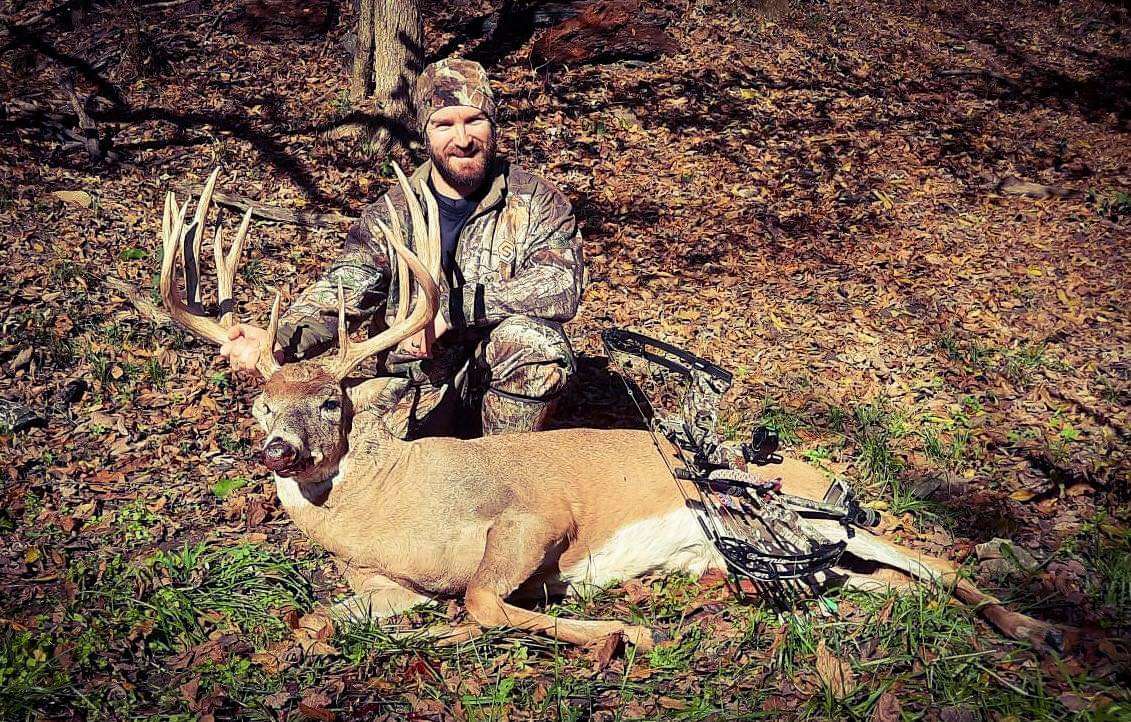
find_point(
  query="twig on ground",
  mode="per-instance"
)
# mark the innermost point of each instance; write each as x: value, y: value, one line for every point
x: 145, y: 306
x: 272, y: 213
x: 960, y: 73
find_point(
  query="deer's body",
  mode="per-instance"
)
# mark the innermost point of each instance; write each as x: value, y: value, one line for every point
x: 610, y: 505
x: 413, y: 521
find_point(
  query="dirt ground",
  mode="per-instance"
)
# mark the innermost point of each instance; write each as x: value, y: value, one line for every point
x: 905, y: 228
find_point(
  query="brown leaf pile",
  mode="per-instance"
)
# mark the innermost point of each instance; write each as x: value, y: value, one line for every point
x: 920, y: 209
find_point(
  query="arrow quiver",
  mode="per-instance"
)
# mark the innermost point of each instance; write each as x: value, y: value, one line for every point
x: 761, y: 532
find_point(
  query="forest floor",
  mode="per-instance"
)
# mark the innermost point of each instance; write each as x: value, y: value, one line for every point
x: 830, y: 201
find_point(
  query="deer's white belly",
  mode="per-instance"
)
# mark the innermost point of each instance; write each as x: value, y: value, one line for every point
x: 672, y: 542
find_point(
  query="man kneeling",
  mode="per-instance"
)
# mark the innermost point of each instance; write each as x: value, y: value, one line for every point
x: 512, y: 273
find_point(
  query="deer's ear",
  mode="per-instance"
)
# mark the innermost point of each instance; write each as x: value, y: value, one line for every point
x: 363, y: 395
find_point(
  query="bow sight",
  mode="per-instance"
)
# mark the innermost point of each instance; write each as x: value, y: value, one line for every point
x: 761, y: 532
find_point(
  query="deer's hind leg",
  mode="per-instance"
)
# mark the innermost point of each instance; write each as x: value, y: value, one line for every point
x: 516, y: 548
x: 878, y: 579
x: 944, y: 574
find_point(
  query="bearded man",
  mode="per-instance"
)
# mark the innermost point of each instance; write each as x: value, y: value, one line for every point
x: 512, y: 274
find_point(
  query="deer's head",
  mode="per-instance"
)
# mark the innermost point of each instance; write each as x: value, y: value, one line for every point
x: 305, y: 417
x: 304, y: 409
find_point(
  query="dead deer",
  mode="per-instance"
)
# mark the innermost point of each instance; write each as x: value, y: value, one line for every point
x: 484, y: 519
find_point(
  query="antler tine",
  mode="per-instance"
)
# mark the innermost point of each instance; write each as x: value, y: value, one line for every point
x: 423, y: 312
x: 196, y: 231
x: 433, y: 240
x: 174, y: 222
x: 178, y: 310
x: 226, y: 267
x: 267, y: 365
x: 419, y: 229
x: 343, y: 330
x: 403, y: 289
x: 432, y: 244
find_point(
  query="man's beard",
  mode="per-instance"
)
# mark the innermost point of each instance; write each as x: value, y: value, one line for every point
x: 472, y: 175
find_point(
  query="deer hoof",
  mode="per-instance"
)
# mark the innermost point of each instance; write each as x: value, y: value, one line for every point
x: 640, y: 637
x: 1048, y: 637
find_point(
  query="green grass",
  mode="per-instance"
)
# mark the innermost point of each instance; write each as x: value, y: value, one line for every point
x: 1103, y: 545
x: 972, y: 355
x: 785, y: 421
x: 135, y: 522
x: 1018, y: 363
x: 1111, y: 204
x: 147, y: 609
x: 341, y: 105
x: 873, y: 428
x: 135, y: 616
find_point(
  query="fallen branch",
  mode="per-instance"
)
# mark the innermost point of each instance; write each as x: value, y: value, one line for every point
x: 1013, y: 186
x: 144, y: 305
x: 272, y: 213
x: 88, y: 137
x: 603, y: 30
x: 960, y: 73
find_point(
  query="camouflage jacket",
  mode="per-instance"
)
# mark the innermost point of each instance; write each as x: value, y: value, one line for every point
x: 519, y: 253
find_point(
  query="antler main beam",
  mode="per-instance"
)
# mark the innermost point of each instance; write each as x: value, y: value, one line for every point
x: 423, y: 270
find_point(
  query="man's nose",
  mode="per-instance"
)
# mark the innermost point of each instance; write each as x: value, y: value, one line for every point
x: 462, y: 137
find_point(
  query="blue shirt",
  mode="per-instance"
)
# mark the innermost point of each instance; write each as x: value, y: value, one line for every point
x: 454, y: 214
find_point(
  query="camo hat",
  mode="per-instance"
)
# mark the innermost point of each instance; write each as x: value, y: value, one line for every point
x: 452, y: 81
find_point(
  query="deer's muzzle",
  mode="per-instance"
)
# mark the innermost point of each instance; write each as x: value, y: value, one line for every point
x: 279, y: 455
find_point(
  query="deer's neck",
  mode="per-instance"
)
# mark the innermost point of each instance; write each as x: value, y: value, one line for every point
x: 324, y: 503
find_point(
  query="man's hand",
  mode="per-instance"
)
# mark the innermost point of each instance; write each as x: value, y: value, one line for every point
x: 244, y: 346
x: 413, y: 346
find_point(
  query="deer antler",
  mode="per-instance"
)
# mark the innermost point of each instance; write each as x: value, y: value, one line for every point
x: 423, y: 270
x: 174, y: 237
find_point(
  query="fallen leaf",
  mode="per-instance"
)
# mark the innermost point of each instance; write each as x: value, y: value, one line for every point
x: 277, y: 700
x: 888, y: 709
x: 1073, y: 702
x: 635, y: 591
x: 672, y: 703
x: 607, y: 649
x: 835, y: 673
x: 190, y: 690
x: 81, y: 199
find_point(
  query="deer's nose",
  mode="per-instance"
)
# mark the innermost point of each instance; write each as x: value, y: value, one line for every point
x: 278, y: 454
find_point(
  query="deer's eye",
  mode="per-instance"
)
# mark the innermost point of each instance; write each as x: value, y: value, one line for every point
x: 331, y: 405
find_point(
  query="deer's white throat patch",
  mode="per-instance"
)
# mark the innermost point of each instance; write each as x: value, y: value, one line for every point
x: 290, y: 492
x: 672, y: 542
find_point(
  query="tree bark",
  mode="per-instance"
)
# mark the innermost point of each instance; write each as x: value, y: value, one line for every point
x: 388, y: 58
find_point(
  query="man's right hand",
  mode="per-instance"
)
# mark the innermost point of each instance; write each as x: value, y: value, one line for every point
x: 245, y: 343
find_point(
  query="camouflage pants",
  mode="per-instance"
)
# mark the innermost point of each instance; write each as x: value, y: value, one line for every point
x: 512, y: 373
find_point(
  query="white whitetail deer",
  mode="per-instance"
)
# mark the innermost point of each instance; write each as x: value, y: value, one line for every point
x: 482, y: 519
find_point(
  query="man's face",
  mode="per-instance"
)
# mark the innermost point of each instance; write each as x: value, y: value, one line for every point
x: 461, y: 143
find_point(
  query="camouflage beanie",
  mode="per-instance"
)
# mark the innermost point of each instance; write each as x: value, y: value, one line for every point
x: 452, y: 81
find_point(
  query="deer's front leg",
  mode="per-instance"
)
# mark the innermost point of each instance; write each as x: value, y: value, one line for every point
x: 516, y: 546
x: 376, y: 597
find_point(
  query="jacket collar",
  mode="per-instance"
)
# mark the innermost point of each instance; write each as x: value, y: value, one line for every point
x: 495, y: 193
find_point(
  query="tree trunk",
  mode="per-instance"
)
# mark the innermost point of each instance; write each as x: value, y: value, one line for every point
x: 388, y: 58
